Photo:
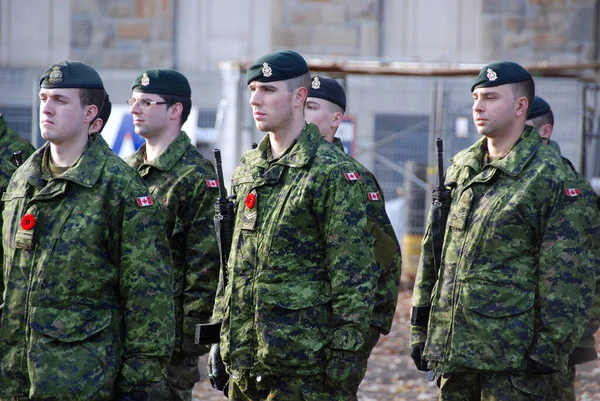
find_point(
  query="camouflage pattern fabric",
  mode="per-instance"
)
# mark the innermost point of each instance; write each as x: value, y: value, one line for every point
x: 6, y: 171
x: 388, y: 257
x: 472, y: 385
x: 517, y: 274
x: 301, y: 276
x: 184, y: 184
x: 563, y: 385
x: 88, y: 306
x: 11, y: 141
x: 288, y: 388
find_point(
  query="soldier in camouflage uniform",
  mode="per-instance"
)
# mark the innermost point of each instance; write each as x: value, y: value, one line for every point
x: 511, y: 298
x: 325, y: 107
x: 184, y: 184
x: 301, y: 274
x: 11, y: 141
x: 100, y: 121
x: 88, y: 309
x: 541, y: 118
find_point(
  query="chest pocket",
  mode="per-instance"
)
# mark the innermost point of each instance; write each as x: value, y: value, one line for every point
x: 460, y: 210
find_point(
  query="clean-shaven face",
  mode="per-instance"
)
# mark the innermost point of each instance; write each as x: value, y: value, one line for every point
x: 271, y: 104
x: 61, y: 115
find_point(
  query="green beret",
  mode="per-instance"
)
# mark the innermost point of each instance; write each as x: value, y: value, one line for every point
x: 501, y: 73
x: 328, y: 89
x: 162, y: 81
x: 539, y: 107
x: 71, y: 74
x: 277, y: 66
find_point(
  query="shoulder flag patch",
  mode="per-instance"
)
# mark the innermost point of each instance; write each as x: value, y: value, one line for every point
x: 572, y: 192
x: 374, y: 196
x: 212, y: 183
x: 144, y: 201
x: 352, y: 176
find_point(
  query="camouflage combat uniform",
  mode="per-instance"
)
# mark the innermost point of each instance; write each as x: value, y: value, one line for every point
x: 184, y: 183
x: 88, y: 306
x: 6, y: 171
x: 563, y: 383
x: 517, y: 271
x: 387, y: 255
x: 301, y: 278
x: 11, y: 141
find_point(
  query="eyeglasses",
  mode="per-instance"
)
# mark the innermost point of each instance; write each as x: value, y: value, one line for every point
x: 143, y: 103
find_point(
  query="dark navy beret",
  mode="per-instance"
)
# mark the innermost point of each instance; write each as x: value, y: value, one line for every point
x: 162, y: 81
x: 539, y: 107
x: 71, y: 74
x: 277, y: 66
x: 328, y: 89
x: 501, y: 73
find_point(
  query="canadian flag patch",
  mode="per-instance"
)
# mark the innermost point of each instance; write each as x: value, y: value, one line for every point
x: 374, y: 196
x: 212, y: 183
x: 353, y: 176
x: 572, y: 192
x: 144, y: 201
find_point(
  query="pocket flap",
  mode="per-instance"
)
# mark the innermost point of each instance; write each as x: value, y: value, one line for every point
x: 295, y: 296
x: 68, y: 325
x: 497, y: 300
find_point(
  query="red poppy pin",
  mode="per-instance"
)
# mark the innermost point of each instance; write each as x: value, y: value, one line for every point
x: 250, y: 201
x: 28, y: 222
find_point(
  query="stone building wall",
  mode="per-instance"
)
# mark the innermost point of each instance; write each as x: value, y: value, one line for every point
x: 123, y: 33
x: 553, y: 31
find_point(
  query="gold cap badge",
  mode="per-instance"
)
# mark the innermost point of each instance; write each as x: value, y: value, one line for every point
x: 316, y: 83
x: 266, y: 70
x: 145, y: 80
x: 56, y: 75
x: 491, y: 74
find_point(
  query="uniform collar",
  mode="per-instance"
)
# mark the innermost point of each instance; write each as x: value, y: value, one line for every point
x: 512, y: 164
x: 297, y: 155
x: 85, y: 171
x: 168, y: 158
x: 337, y: 142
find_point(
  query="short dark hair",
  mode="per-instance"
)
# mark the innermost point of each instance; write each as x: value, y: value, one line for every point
x: 185, y: 101
x: 547, y: 118
x: 303, y: 80
x: 524, y: 88
x: 88, y: 96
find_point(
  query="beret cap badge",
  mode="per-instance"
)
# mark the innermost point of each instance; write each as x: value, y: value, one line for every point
x: 491, y: 74
x: 316, y: 83
x: 145, y: 80
x: 266, y: 70
x: 56, y: 75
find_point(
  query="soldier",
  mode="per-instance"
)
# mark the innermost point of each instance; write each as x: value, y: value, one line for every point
x: 301, y: 274
x: 11, y: 141
x: 100, y: 121
x: 184, y: 184
x: 511, y: 298
x: 88, y: 310
x: 563, y: 384
x: 541, y: 117
x: 325, y: 107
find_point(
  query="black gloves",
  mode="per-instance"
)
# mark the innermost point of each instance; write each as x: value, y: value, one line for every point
x: 582, y: 355
x: 416, y: 353
x: 135, y: 396
x: 534, y: 368
x: 343, y: 370
x: 216, y: 369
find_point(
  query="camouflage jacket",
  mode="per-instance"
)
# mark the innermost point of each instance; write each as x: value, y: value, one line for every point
x: 88, y: 307
x: 517, y: 274
x: 386, y: 249
x: 185, y: 185
x: 6, y: 171
x: 301, y: 268
x: 11, y: 141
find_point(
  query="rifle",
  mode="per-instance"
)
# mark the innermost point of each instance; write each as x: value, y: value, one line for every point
x: 440, y: 207
x: 210, y: 333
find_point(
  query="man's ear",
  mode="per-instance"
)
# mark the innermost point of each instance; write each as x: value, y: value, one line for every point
x: 522, y: 106
x: 175, y: 111
x: 90, y: 114
x: 300, y: 96
x: 546, y: 131
x: 336, y: 119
